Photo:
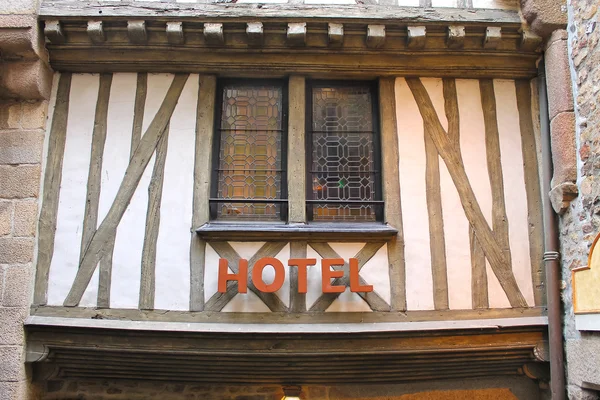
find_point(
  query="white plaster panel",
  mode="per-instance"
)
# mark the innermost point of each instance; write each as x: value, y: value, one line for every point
x: 515, y: 195
x: 474, y: 153
x: 211, y: 272
x: 125, y: 284
x: 444, y: 3
x: 246, y: 302
x: 246, y: 250
x: 408, y: 3
x: 269, y: 275
x: 376, y: 273
x: 419, y: 290
x: 349, y: 302
x: 73, y: 192
x: 173, y: 245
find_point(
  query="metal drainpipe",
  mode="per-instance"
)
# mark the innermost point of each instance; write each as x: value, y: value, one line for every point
x: 551, y: 254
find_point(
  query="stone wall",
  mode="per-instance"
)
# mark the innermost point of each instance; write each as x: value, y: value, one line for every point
x: 24, y: 83
x: 581, y: 222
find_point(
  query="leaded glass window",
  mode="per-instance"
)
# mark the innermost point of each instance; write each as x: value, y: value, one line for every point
x: 343, y: 153
x: 249, y: 173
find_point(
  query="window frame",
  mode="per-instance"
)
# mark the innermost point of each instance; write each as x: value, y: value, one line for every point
x: 214, y: 200
x: 378, y: 202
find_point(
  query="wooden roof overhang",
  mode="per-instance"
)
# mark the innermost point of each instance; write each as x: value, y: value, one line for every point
x: 233, y: 356
x: 278, y: 40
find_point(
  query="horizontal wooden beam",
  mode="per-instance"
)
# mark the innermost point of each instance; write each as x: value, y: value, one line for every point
x: 190, y: 12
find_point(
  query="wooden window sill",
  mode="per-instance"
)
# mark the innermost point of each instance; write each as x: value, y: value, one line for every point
x: 330, y: 232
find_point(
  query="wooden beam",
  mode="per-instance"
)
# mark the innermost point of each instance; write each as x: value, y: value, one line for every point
x: 105, y: 275
x: 335, y: 34
x: 205, y: 114
x: 107, y: 229
x: 297, y: 300
x: 391, y: 194
x: 479, y: 279
x: 532, y: 188
x: 296, y: 150
x: 213, y: 34
x: 136, y: 31
x: 453, y: 161
x: 493, y: 37
x: 138, y: 110
x: 455, y: 38
x: 50, y: 196
x: 148, y: 267
x: 437, y: 242
x: 416, y: 37
x: 255, y: 33
x: 95, y: 31
x: 190, y: 12
x: 174, y: 30
x: 90, y: 217
x: 53, y: 31
x: 494, y: 164
x: 375, y: 36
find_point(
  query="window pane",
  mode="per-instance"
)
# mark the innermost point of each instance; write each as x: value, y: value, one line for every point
x: 343, y: 153
x: 250, y: 164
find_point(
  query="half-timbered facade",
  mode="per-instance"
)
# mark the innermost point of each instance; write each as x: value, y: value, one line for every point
x: 377, y: 164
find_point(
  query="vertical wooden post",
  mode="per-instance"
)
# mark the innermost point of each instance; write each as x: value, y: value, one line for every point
x: 296, y: 161
x: 391, y: 193
x: 205, y: 118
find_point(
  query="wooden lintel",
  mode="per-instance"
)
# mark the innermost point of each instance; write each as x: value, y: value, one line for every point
x: 136, y: 31
x: 213, y: 34
x: 174, y: 31
x: 335, y: 34
x: 416, y: 37
x: 53, y: 31
x: 375, y: 36
x: 95, y: 31
x: 218, y: 12
x: 456, y: 37
x: 493, y: 36
x: 530, y: 41
x: 296, y: 34
x: 255, y: 33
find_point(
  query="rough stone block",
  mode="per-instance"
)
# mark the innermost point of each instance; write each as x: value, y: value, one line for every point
x: 21, y: 147
x: 558, y: 78
x: 581, y: 354
x: 18, y: 6
x: 562, y: 195
x: 10, y: 115
x: 17, y: 286
x: 564, y: 155
x: 13, y: 366
x: 14, y: 390
x: 28, y: 80
x: 25, y: 217
x: 16, y: 250
x: 20, y: 38
x: 545, y: 16
x: 34, y: 115
x: 20, y: 181
x: 11, y: 328
x: 6, y: 217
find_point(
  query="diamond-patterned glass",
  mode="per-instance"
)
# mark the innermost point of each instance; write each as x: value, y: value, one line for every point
x: 250, y: 165
x: 343, y: 160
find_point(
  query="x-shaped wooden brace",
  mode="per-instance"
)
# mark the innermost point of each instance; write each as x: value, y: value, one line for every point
x: 224, y: 250
x: 375, y: 302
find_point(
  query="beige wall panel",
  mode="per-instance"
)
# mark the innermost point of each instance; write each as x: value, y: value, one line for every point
x: 173, y: 245
x: 514, y: 184
x: 71, y: 207
x: 129, y: 242
x: 419, y: 286
x: 375, y: 272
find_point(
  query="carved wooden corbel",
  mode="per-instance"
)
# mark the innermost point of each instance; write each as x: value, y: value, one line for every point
x: 296, y: 34
x: 416, y: 37
x: 375, y: 36
x: 213, y: 34
x: 493, y: 36
x: 255, y: 33
x: 175, y: 33
x: 53, y: 31
x: 455, y: 38
x: 336, y: 34
x: 95, y: 32
x: 136, y: 31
